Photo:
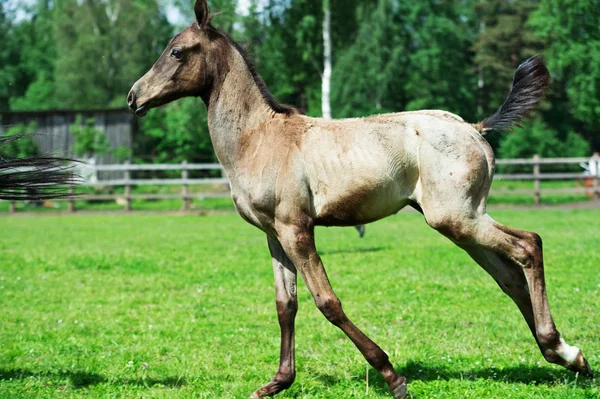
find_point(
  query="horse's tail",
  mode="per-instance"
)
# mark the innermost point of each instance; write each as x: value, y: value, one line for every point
x: 530, y: 82
x: 35, y: 178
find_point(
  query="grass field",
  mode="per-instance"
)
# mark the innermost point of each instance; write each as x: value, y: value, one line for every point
x: 139, y: 306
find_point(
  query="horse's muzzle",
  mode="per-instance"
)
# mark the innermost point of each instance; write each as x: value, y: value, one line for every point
x: 140, y: 110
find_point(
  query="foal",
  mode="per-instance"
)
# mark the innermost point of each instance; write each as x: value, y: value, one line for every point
x: 289, y: 172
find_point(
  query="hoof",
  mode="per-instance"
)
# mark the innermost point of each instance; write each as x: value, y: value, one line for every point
x: 361, y: 230
x: 581, y: 366
x: 400, y: 391
x: 588, y: 370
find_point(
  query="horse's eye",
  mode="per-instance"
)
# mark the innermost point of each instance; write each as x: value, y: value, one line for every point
x: 177, y: 54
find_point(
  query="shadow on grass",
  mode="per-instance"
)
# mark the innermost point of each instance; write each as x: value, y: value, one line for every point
x: 82, y: 379
x: 79, y: 379
x: 417, y: 371
x: 524, y: 374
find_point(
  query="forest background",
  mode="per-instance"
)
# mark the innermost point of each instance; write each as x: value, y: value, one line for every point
x: 385, y: 56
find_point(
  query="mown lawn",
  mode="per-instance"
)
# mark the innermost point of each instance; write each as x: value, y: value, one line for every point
x: 159, y: 306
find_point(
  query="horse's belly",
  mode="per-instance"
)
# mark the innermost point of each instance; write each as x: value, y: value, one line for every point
x: 358, y: 204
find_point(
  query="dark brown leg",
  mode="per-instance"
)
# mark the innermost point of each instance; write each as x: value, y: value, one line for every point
x: 287, y: 306
x: 298, y: 243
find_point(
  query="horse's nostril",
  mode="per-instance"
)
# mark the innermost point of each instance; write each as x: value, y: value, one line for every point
x: 131, y: 99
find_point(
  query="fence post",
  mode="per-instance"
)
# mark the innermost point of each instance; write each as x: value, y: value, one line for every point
x: 596, y: 159
x: 185, y: 192
x: 12, y: 207
x: 536, y: 184
x: 127, y: 175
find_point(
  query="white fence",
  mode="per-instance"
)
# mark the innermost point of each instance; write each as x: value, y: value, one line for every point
x: 588, y: 184
x: 589, y: 176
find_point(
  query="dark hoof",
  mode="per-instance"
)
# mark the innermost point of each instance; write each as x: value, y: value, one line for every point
x: 361, y: 230
x: 400, y: 391
x: 588, y: 370
x: 580, y: 366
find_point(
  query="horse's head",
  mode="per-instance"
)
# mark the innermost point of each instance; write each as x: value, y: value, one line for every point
x: 186, y: 68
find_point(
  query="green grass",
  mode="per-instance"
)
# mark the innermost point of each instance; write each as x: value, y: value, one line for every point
x: 525, y: 199
x: 158, y: 306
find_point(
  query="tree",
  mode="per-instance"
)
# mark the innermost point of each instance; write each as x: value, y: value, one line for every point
x: 365, y: 71
x: 5, y: 56
x: 571, y: 30
x: 286, y: 42
x: 89, y: 140
x: 102, y: 48
x: 441, y: 35
x: 25, y: 146
x: 504, y: 42
x: 536, y: 137
x: 326, y: 84
x: 407, y: 55
x: 38, y: 56
x: 174, y: 133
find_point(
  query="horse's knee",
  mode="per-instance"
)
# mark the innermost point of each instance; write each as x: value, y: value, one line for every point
x: 286, y: 310
x: 331, y: 307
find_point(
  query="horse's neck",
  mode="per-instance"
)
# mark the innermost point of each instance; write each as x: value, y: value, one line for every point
x: 235, y: 105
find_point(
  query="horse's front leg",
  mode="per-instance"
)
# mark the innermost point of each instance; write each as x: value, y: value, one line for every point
x: 297, y: 239
x: 287, y: 306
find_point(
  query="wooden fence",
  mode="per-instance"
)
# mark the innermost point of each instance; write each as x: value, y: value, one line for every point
x: 54, y: 134
x: 536, y: 177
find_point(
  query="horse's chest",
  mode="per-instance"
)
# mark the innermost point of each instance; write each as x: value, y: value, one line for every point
x: 255, y: 202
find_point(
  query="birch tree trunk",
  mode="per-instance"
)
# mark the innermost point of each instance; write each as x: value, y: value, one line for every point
x: 326, y: 82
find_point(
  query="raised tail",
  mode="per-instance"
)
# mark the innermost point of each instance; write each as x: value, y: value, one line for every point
x: 35, y: 178
x: 531, y: 81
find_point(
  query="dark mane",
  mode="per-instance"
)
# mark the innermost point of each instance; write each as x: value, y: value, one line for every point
x: 262, y: 87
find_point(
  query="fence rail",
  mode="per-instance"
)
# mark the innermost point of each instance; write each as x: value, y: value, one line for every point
x: 590, y: 178
x: 89, y: 172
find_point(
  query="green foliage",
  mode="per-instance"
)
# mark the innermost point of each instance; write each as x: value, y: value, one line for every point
x: 89, y: 140
x: 357, y: 90
x: 94, y: 309
x: 504, y: 40
x: 176, y: 133
x: 536, y: 137
x: 37, y: 58
x: 457, y: 55
x: 23, y: 147
x: 102, y: 48
x: 122, y: 153
x: 571, y: 30
x: 437, y: 77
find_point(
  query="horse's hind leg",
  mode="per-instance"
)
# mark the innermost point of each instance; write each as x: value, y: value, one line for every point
x: 511, y: 279
x: 514, y: 259
x: 287, y: 306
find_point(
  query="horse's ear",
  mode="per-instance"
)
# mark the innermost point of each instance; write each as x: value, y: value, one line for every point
x: 202, y: 13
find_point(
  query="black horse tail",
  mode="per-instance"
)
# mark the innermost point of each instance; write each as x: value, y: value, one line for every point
x: 35, y: 178
x: 530, y: 82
